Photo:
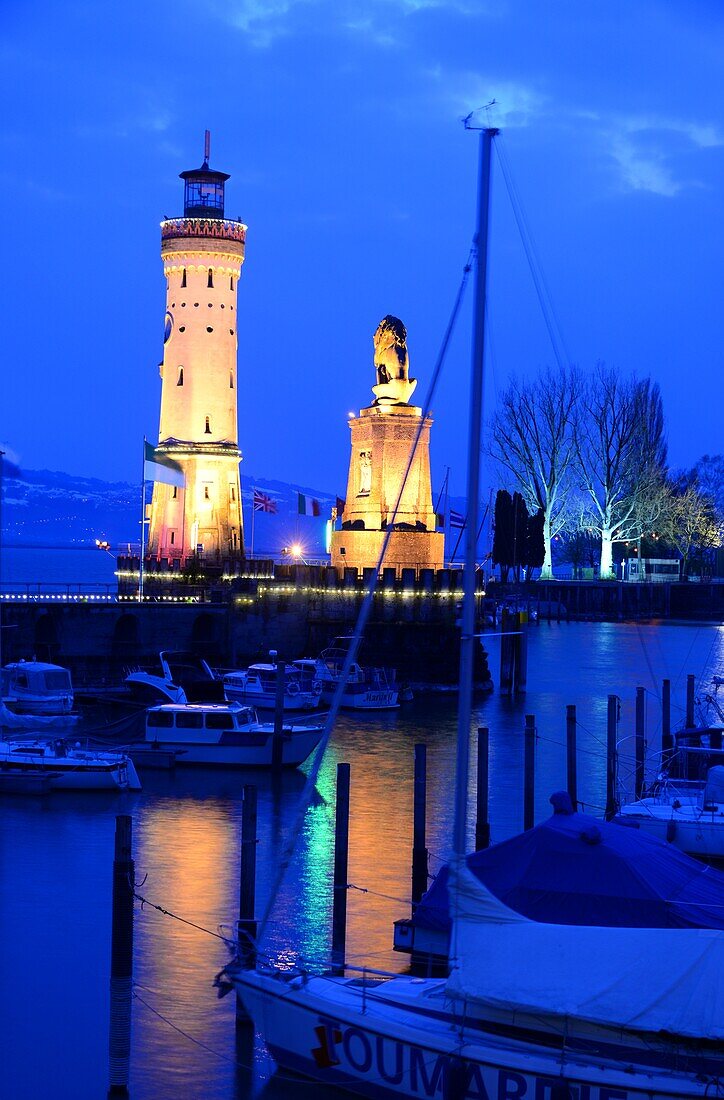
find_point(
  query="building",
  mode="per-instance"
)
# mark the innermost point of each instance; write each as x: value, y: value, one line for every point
x: 382, y: 439
x: 202, y: 255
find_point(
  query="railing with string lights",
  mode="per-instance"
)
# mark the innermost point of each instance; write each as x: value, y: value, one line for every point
x: 220, y: 228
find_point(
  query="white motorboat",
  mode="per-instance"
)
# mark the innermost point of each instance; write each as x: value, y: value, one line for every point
x: 684, y: 812
x: 257, y: 686
x: 364, y: 689
x: 35, y: 687
x: 530, y: 1010
x: 68, y: 766
x: 178, y: 677
x: 226, y: 734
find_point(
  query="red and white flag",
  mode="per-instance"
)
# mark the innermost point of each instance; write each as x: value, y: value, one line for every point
x: 264, y: 503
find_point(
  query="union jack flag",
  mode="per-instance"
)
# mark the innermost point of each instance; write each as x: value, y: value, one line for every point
x: 264, y: 503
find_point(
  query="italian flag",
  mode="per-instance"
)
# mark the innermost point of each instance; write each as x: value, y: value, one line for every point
x: 306, y: 506
x: 159, y: 467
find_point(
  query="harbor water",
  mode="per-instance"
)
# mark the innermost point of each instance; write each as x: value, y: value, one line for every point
x: 56, y: 856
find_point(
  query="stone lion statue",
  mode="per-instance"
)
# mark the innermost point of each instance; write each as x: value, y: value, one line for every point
x: 392, y: 362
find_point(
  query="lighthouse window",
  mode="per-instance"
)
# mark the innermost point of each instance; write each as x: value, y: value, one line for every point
x: 173, y: 537
x: 231, y: 332
x: 209, y: 328
x: 231, y: 282
x: 182, y: 328
x: 211, y: 277
x: 207, y: 429
x: 231, y: 379
x: 206, y: 493
x: 180, y: 381
x: 232, y: 492
x: 183, y: 279
x: 174, y: 496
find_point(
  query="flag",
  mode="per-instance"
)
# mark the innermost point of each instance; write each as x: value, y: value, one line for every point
x: 306, y: 506
x: 158, y: 467
x: 457, y: 519
x: 339, y: 506
x: 264, y: 503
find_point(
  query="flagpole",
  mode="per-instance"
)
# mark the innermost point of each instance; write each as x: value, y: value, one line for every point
x: 253, y: 516
x: 143, y: 523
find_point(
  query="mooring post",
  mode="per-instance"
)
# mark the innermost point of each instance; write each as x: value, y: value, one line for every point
x: 520, y: 672
x: 119, y: 1044
x: 690, y: 722
x: 482, y: 825
x: 419, y: 851
x: 507, y: 652
x: 341, y: 850
x: 247, y: 925
x: 278, y: 736
x: 529, y: 773
x: 640, y: 740
x: 611, y: 754
x: 667, y: 741
x: 571, y: 758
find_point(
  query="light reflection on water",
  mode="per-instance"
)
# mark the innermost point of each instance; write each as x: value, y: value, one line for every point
x: 56, y: 856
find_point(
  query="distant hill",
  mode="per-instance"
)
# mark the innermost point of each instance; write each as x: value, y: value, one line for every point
x: 51, y: 508
x: 47, y: 508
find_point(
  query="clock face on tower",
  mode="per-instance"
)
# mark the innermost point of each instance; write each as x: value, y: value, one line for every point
x: 168, y: 326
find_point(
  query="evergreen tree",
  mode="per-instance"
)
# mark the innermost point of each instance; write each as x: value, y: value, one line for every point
x: 535, y: 547
x: 502, y: 554
x: 520, y: 534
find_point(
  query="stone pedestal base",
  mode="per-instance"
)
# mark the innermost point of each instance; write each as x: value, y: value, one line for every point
x: 406, y: 550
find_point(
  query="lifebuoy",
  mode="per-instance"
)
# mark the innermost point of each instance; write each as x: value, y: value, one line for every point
x: 293, y: 688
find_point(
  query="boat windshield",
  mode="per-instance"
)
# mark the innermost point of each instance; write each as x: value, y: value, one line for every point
x: 57, y: 679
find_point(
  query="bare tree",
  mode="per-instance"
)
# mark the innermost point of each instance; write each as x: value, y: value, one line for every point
x: 532, y: 438
x: 621, y: 454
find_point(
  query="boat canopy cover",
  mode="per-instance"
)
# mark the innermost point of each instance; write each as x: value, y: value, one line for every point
x: 714, y: 791
x: 645, y: 979
x: 12, y: 721
x: 573, y: 870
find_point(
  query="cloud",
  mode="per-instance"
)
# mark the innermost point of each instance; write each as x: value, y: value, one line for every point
x: 645, y: 148
x: 516, y: 104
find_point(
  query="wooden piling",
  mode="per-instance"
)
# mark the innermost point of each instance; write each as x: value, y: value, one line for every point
x: 571, y: 757
x: 247, y: 925
x: 278, y: 735
x: 482, y: 824
x: 640, y: 741
x: 690, y: 683
x: 119, y: 1040
x: 611, y: 756
x: 529, y: 773
x: 341, y: 852
x: 506, y: 653
x: 520, y: 649
x: 419, y: 851
x: 667, y: 741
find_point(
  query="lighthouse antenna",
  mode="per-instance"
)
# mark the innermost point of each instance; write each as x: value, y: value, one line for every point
x: 207, y: 146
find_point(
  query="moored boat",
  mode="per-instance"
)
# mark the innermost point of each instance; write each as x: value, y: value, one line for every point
x: 365, y: 688
x: 257, y: 686
x: 67, y: 767
x: 683, y: 812
x: 36, y: 687
x: 226, y: 734
x: 178, y: 677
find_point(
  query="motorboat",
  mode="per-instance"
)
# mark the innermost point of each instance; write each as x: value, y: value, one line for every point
x: 683, y: 812
x: 573, y: 869
x: 257, y: 686
x: 178, y: 677
x: 35, y: 687
x: 530, y: 1009
x: 364, y: 689
x: 227, y: 734
x: 68, y: 766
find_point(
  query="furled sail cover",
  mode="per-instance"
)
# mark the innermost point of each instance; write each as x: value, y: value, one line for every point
x: 647, y: 979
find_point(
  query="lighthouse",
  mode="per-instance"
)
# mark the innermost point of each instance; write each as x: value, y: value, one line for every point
x: 202, y: 254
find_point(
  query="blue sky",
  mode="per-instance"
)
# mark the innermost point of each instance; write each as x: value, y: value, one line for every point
x: 339, y: 123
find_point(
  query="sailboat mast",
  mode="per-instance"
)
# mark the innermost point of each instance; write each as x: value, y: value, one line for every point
x: 467, y: 637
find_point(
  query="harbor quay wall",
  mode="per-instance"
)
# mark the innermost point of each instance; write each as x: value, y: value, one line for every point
x: 101, y: 643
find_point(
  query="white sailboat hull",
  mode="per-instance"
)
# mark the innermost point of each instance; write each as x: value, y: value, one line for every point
x: 391, y: 1042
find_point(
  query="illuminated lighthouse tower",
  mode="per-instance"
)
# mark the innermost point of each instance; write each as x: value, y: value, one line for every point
x: 202, y: 255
